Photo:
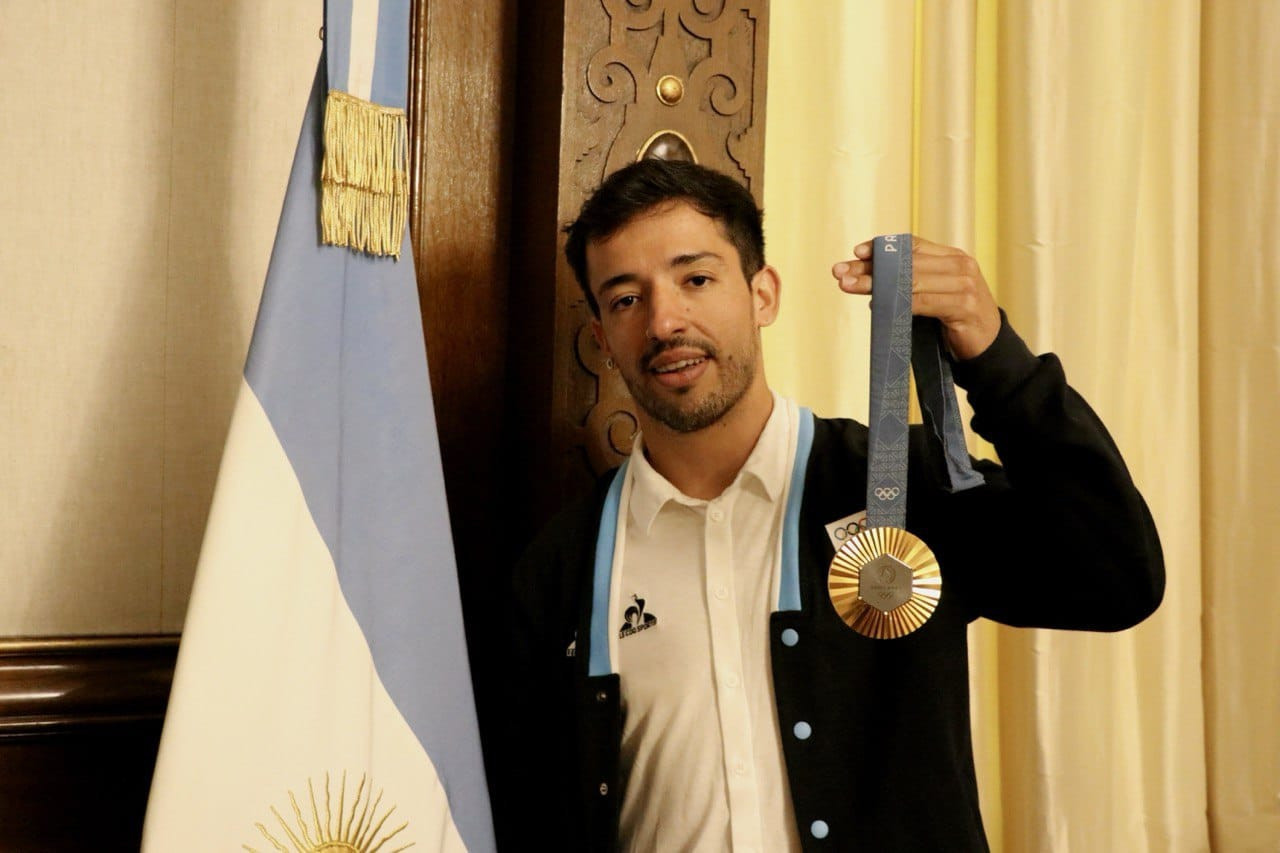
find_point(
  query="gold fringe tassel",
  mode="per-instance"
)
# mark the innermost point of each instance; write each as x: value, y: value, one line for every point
x: 365, y: 178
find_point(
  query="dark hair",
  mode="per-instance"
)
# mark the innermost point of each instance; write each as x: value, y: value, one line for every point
x: 639, y: 187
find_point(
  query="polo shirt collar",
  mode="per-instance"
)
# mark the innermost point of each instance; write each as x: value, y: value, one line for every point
x: 767, y: 466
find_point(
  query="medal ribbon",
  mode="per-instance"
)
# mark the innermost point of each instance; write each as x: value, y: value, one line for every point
x: 894, y: 351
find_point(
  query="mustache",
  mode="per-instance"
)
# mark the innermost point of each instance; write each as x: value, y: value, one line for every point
x: 656, y: 348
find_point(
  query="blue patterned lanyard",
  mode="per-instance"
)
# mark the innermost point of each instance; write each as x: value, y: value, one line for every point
x: 898, y: 343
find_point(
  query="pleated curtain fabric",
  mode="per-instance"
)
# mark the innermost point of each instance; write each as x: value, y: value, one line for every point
x: 1239, y: 406
x: 1113, y: 168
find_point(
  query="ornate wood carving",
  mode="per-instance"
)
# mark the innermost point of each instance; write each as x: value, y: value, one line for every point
x: 702, y: 50
x: 599, y: 82
x: 669, y: 78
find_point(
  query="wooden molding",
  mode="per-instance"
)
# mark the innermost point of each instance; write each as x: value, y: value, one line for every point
x: 56, y: 684
x: 80, y: 721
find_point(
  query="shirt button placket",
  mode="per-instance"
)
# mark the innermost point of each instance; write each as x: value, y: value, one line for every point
x: 727, y: 667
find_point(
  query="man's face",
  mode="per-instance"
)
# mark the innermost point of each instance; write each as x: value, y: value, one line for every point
x: 677, y: 316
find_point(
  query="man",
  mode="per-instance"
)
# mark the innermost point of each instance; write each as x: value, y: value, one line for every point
x: 671, y: 697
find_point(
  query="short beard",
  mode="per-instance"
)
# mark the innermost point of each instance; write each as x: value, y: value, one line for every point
x: 736, y: 378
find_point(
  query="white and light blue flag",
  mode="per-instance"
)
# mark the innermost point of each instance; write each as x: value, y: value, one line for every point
x: 322, y: 698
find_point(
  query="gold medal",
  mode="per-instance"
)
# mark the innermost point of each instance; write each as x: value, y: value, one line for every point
x: 884, y: 582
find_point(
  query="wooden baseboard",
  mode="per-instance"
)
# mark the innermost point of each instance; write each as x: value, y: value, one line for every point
x: 80, y: 722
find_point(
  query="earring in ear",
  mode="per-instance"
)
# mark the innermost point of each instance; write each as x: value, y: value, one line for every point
x: 608, y: 363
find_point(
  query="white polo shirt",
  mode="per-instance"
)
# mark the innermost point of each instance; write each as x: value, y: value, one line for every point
x: 694, y: 582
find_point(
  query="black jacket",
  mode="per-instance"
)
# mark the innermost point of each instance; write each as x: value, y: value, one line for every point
x: 1057, y: 538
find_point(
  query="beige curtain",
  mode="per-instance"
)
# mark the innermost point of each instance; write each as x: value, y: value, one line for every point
x: 1113, y: 167
x: 1239, y: 351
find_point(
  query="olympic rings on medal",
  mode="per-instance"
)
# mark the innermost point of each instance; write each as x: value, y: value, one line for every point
x: 887, y: 494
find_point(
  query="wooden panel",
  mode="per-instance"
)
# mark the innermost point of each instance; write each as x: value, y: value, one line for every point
x: 460, y: 128
x: 80, y: 723
x: 544, y: 465
x: 687, y: 72
x: 460, y: 118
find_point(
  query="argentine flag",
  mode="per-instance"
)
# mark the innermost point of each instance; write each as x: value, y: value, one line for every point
x: 322, y: 698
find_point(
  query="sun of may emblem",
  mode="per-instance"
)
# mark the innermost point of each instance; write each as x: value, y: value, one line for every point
x: 333, y: 826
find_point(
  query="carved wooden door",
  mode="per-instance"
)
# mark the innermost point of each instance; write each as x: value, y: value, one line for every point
x: 678, y: 79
